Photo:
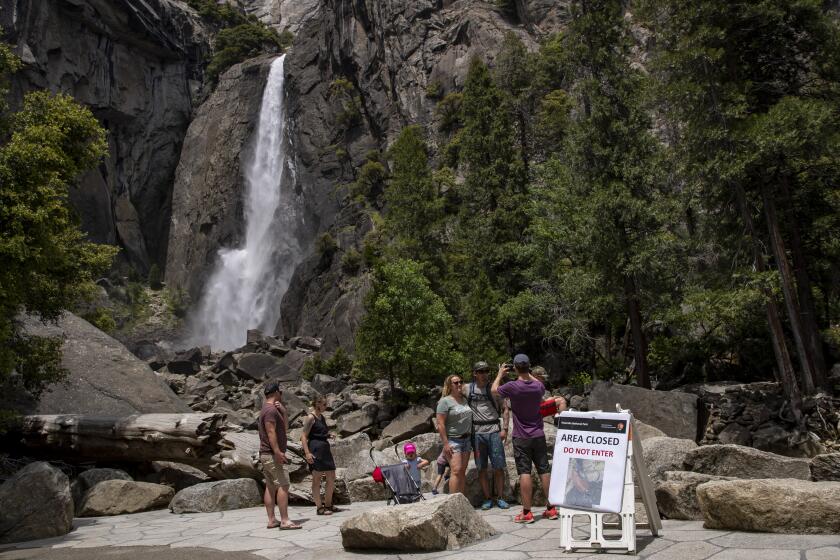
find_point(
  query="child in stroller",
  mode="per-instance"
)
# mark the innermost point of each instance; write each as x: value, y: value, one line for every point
x: 403, y: 489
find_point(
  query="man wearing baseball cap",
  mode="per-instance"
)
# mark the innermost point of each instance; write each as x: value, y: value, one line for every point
x: 273, y: 426
x: 529, y: 447
x: 488, y: 436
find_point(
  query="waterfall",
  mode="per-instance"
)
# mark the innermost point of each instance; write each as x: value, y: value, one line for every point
x: 247, y: 284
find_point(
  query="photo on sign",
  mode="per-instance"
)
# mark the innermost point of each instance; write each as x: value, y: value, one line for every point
x: 584, y: 482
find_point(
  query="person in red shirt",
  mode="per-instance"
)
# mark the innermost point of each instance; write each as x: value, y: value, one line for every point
x: 273, y: 426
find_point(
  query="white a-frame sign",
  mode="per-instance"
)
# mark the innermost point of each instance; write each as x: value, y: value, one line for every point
x: 595, y: 455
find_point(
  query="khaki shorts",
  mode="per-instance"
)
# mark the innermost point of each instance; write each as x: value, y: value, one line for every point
x: 275, y: 475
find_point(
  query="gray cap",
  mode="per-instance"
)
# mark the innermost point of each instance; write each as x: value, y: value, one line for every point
x: 521, y: 360
x: 481, y: 366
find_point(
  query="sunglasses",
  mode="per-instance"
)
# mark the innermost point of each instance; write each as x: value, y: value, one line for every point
x: 457, y: 382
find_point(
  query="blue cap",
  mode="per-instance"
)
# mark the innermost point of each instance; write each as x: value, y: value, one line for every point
x: 521, y: 360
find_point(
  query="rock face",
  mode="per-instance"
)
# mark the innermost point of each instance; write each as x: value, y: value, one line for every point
x: 776, y: 506
x: 138, y: 65
x: 91, y: 478
x: 665, y: 454
x: 442, y: 523
x: 673, y: 412
x: 207, y: 196
x: 745, y: 462
x: 116, y: 497
x: 104, y: 377
x: 221, y: 495
x: 676, y: 496
x: 826, y: 467
x: 35, y: 503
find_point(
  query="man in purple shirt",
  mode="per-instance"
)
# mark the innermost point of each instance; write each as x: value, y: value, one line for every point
x: 529, y: 448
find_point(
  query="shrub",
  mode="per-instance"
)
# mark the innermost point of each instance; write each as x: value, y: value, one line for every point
x: 351, y: 262
x: 448, y: 111
x: 177, y: 302
x: 433, y: 90
x: 236, y: 44
x: 338, y: 366
x: 370, y: 181
x: 102, y: 319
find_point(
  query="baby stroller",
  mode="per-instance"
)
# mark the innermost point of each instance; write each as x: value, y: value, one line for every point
x: 397, y: 479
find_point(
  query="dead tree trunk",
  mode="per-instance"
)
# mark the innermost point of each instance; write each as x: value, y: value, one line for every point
x: 183, y: 438
x: 788, y: 290
x: 637, y: 330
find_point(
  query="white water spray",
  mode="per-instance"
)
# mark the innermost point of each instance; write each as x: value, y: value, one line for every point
x: 246, y: 287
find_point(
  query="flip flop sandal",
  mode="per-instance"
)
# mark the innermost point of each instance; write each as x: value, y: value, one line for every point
x: 290, y: 527
x: 323, y: 510
x: 334, y: 509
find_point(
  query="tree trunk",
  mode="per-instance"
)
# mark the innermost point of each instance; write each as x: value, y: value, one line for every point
x: 808, y: 312
x: 183, y: 438
x: 785, y: 374
x: 639, y: 341
x: 788, y: 289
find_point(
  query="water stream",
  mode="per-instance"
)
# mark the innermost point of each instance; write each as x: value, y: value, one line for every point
x: 247, y: 284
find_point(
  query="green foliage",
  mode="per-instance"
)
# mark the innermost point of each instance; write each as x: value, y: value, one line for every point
x: 406, y: 333
x: 247, y: 40
x: 340, y: 365
x: 433, y: 90
x: 580, y: 380
x: 349, y: 111
x: 369, y: 182
x: 326, y: 247
x: 448, y: 112
x: 224, y: 15
x: 351, y: 261
x: 46, y: 264
x: 177, y: 302
x: 102, y: 319
x: 155, y: 277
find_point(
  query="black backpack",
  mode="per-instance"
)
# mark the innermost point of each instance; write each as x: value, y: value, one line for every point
x: 488, y: 395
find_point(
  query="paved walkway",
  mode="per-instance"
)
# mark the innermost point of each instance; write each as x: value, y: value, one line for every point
x: 242, y: 535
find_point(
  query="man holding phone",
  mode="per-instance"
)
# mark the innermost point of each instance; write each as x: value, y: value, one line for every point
x: 529, y: 447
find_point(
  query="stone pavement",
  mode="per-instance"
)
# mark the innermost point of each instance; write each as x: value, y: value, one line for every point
x: 242, y: 534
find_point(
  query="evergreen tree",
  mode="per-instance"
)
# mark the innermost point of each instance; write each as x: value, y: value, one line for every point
x: 406, y: 334
x: 46, y: 264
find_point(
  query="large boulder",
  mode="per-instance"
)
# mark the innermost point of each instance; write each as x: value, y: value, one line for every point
x: 642, y: 431
x: 221, y: 495
x: 176, y: 475
x: 676, y: 495
x: 326, y: 384
x: 665, y: 454
x: 301, y: 492
x: 357, y: 420
x: 367, y: 490
x: 35, y: 503
x: 353, y: 454
x: 780, y: 505
x: 258, y: 366
x: 90, y: 478
x: 826, y: 467
x: 673, y: 412
x: 411, y: 422
x: 442, y: 523
x: 745, y: 462
x: 116, y: 497
x: 104, y: 378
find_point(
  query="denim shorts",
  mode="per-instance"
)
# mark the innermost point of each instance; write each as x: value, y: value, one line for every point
x: 489, y: 446
x: 460, y: 445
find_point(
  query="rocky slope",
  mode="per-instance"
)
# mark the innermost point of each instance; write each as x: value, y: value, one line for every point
x: 138, y: 65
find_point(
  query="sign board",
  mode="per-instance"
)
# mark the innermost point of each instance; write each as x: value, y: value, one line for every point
x: 590, y: 456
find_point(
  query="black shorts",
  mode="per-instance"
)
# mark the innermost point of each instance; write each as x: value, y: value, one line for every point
x: 531, y: 451
x: 441, y: 469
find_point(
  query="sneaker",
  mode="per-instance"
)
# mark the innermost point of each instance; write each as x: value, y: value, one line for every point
x: 434, y: 492
x: 487, y: 504
x: 524, y: 518
x: 550, y: 513
x: 502, y: 504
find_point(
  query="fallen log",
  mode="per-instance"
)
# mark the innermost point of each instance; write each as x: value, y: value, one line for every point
x: 190, y: 438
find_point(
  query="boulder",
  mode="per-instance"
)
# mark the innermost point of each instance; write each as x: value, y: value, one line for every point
x: 116, y: 497
x: 366, y: 489
x: 176, y: 475
x: 673, y: 412
x: 301, y: 492
x: 779, y: 505
x: 411, y: 422
x: 221, y: 495
x: 826, y: 467
x: 676, y: 495
x: 325, y: 384
x: 642, y: 431
x: 357, y: 421
x: 35, y: 503
x: 104, y: 378
x: 305, y: 342
x: 291, y: 366
x: 745, y: 462
x: 665, y: 454
x: 182, y: 367
x: 258, y: 366
x: 353, y: 453
x: 442, y: 523
x: 90, y: 478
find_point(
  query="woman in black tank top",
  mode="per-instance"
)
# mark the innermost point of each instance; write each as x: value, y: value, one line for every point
x: 316, y: 448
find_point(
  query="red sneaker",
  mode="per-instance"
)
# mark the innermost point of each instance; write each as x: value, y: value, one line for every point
x: 524, y: 518
x: 550, y: 513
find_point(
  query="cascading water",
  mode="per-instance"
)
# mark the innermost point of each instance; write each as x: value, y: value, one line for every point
x: 246, y: 287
